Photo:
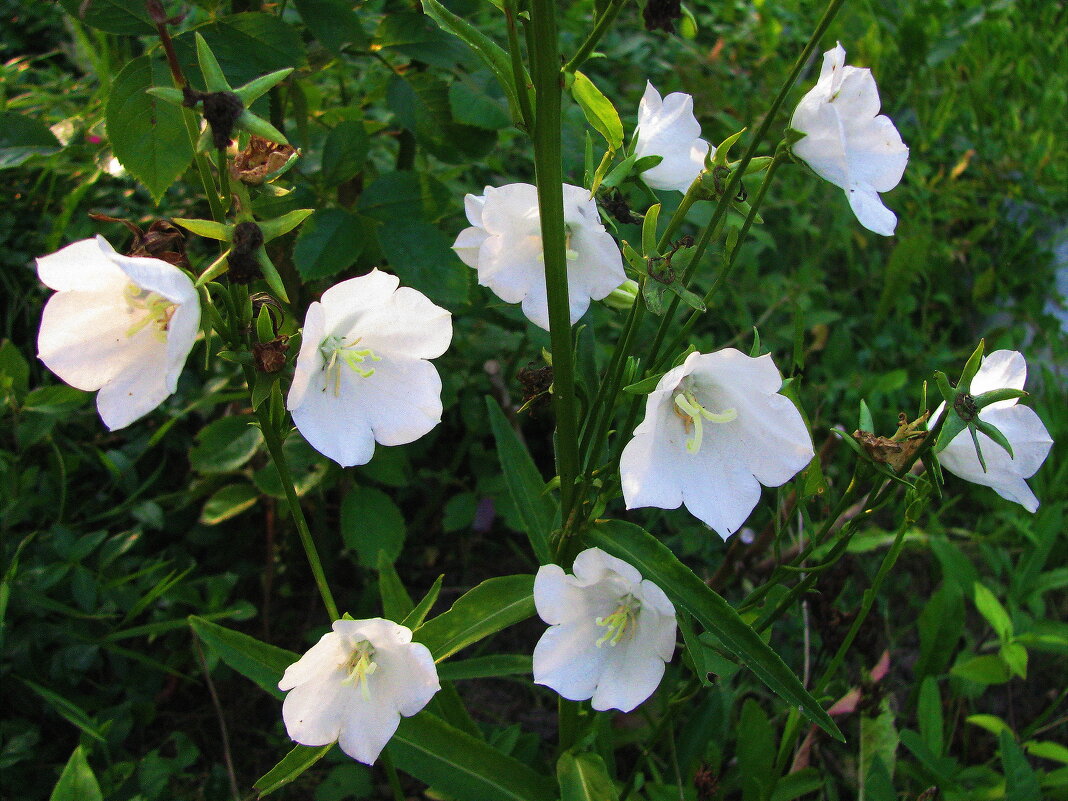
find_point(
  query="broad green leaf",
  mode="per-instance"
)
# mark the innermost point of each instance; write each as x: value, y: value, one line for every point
x: 599, y: 111
x: 1044, y: 749
x: 985, y: 669
x: 423, y: 258
x: 262, y: 663
x: 492, y: 55
x: 991, y: 723
x: 414, y: 35
x: 1021, y: 782
x: 77, y: 781
x: 334, y: 23
x: 1015, y: 656
x: 990, y: 608
x: 57, y: 399
x: 371, y: 523
x: 246, y: 46
x: 929, y: 711
x: 230, y: 501
x: 420, y: 102
x: 406, y: 193
x: 755, y: 751
x: 344, y: 151
x: 225, y: 444
x: 658, y: 564
x: 396, y: 602
x: 485, y: 666
x: 472, y: 107
x: 22, y: 138
x: 14, y: 370
x: 878, y: 742
x: 330, y: 241
x: 463, y: 766
x: 795, y: 785
x: 290, y: 767
x: 147, y: 135
x: 584, y: 777
x: 124, y: 17
x: 526, y: 487
x: 941, y: 623
x: 484, y: 610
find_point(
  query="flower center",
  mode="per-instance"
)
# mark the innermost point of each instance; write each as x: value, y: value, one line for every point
x: 694, y: 414
x: 155, y: 309
x: 360, y: 667
x: 336, y: 352
x: 569, y: 254
x: 620, y: 622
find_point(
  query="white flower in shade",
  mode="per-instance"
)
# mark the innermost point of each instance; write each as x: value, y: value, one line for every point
x: 847, y: 141
x: 1021, y: 426
x: 504, y: 246
x: 610, y: 632
x: 354, y: 684
x: 123, y: 325
x: 668, y: 128
x: 715, y: 429
x: 362, y: 373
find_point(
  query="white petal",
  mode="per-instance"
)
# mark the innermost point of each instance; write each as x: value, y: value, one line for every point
x: 348, y: 300
x: 1001, y: 369
x: 84, y: 266
x: 870, y: 211
x: 557, y: 598
x: 594, y: 565
x: 568, y: 660
x: 309, y: 361
x: 337, y: 426
x: 407, y: 324
x: 634, y: 668
x: 366, y: 725
x: 511, y: 210
x: 156, y: 276
x: 722, y: 491
x: 314, y: 712
x: 647, y: 465
x: 670, y: 130
x: 317, y: 663
x: 473, y: 205
x: 135, y: 392
x: 182, y: 333
x: 877, y: 156
x: 402, y: 398
x: 598, y: 267
x: 467, y: 245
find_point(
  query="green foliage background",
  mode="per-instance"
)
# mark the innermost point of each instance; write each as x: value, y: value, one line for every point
x: 111, y: 540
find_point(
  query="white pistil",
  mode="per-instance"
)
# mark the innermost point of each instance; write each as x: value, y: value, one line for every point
x: 694, y: 413
x: 335, y: 352
x: 619, y: 622
x: 360, y: 667
x: 157, y: 309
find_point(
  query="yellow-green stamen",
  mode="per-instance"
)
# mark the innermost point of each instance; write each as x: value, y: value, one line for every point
x: 335, y: 353
x: 693, y: 413
x: 360, y: 667
x: 157, y: 310
x: 619, y: 622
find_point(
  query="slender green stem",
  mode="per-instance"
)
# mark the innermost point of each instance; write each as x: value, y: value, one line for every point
x: 519, y: 73
x: 224, y: 178
x: 548, y: 165
x: 392, y: 777
x: 600, y: 27
x: 567, y: 713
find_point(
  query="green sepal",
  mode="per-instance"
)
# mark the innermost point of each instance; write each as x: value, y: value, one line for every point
x: 634, y: 259
x: 271, y: 276
x: 260, y: 127
x: 263, y: 388
x: 214, y: 79
x: 235, y: 356
x: 279, y: 226
x: 953, y: 426
x: 691, y: 299
x: 215, y: 269
x: 264, y: 325
x: 865, y: 421
x: 995, y: 434
x: 996, y: 396
x: 206, y: 228
x: 653, y: 294
x: 948, y: 393
x: 971, y: 367
x: 646, y: 163
x: 719, y: 159
x: 619, y: 173
x: 645, y: 386
x: 167, y: 94
x: 755, y: 350
x: 978, y: 449
x: 757, y: 164
x: 258, y: 87
x: 652, y: 216
x: 791, y: 136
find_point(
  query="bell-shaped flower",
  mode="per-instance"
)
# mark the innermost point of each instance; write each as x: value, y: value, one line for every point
x: 715, y: 429
x: 354, y: 684
x: 123, y: 325
x: 504, y: 246
x: 1031, y: 443
x: 668, y: 128
x: 847, y: 141
x: 610, y: 632
x: 362, y: 373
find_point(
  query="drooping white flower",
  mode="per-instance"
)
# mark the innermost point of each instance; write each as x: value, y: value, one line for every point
x: 610, y: 632
x: 504, y: 246
x: 354, y: 684
x: 847, y: 141
x: 667, y: 127
x: 362, y: 374
x: 123, y: 325
x: 1021, y: 426
x: 715, y: 429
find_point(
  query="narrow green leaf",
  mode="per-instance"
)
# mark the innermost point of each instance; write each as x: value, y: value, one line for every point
x: 228, y: 502
x: 991, y: 723
x: 416, y: 617
x: 486, y: 666
x: 525, y: 485
x: 77, y: 781
x: 484, y: 610
x: 658, y: 564
x: 584, y: 777
x: 599, y: 111
x: 262, y: 663
x: 652, y: 216
x: 68, y: 710
x: 396, y: 602
x: 991, y: 609
x: 22, y: 137
x: 463, y: 766
x: 1021, y: 781
x: 290, y: 767
x: 272, y: 229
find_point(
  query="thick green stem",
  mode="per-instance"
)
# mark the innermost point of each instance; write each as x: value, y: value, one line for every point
x: 548, y: 165
x: 600, y: 27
